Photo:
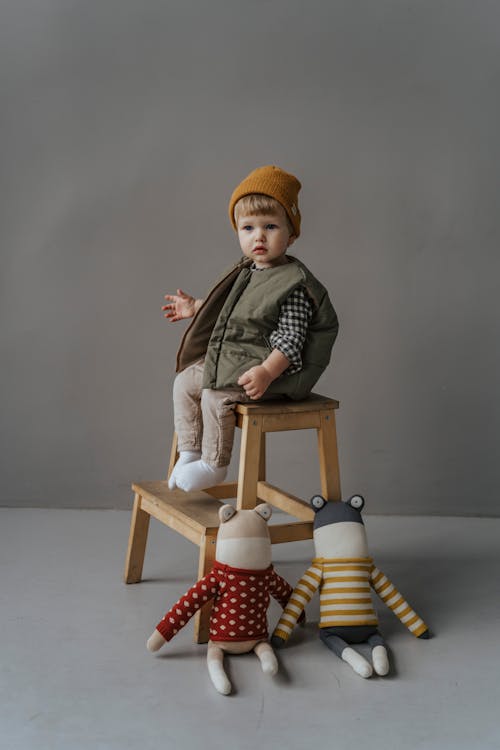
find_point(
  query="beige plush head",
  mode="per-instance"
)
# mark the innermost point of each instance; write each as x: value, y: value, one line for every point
x: 243, y: 537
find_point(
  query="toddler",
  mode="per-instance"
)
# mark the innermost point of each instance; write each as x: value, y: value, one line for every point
x: 265, y: 330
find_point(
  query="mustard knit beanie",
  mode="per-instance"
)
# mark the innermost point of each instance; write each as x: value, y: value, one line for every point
x: 276, y: 183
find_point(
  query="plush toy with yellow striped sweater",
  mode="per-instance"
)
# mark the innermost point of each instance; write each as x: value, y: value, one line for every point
x: 344, y: 573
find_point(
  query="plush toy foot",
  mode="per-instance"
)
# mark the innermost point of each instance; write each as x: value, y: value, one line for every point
x: 268, y: 662
x: 185, y: 457
x: 357, y: 662
x: 198, y: 475
x: 218, y: 677
x: 155, y: 641
x: 380, y: 660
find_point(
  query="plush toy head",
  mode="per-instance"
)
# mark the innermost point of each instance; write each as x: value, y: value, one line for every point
x: 243, y: 537
x: 338, y: 528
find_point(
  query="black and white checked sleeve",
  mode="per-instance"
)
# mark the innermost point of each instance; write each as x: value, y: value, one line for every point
x: 290, y: 334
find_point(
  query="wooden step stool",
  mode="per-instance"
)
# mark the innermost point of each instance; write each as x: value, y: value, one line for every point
x: 195, y: 514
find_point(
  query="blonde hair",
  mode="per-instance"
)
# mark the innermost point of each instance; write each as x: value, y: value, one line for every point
x: 257, y: 204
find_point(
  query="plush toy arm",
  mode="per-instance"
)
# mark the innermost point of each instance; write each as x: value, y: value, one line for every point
x: 280, y: 589
x: 391, y: 596
x: 199, y: 594
x: 155, y: 641
x: 294, y: 609
x: 283, y: 594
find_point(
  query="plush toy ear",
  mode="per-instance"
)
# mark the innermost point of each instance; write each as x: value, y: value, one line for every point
x: 226, y: 512
x: 357, y: 502
x: 317, y: 502
x: 264, y: 510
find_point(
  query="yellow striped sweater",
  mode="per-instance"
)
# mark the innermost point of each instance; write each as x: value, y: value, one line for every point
x: 345, y: 596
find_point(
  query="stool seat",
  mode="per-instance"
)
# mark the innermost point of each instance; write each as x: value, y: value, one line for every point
x: 314, y: 402
x: 195, y: 514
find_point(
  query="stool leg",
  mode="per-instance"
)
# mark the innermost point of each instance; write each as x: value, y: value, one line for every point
x: 174, y: 455
x: 262, y: 459
x: 250, y: 462
x: 139, y: 526
x: 328, y: 456
x: 202, y: 617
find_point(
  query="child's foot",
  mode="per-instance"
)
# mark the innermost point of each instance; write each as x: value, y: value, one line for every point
x: 185, y: 457
x: 198, y: 476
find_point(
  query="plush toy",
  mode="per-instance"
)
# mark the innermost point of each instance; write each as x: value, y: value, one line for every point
x: 344, y: 572
x: 240, y: 584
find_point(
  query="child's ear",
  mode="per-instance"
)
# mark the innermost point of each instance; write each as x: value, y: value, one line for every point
x: 291, y: 239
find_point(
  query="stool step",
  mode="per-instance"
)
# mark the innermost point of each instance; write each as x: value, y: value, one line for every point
x: 193, y: 514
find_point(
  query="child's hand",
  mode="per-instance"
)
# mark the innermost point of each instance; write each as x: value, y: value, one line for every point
x: 181, y: 306
x: 255, y: 381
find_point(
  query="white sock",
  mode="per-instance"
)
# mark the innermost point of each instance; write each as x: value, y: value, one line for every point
x: 380, y: 660
x: 198, y: 475
x: 357, y: 662
x: 185, y: 457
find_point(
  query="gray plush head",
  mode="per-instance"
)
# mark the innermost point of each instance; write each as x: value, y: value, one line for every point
x: 327, y: 513
x: 339, y: 530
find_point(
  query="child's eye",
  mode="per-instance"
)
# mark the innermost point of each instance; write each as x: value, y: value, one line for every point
x: 247, y: 228
x: 271, y: 226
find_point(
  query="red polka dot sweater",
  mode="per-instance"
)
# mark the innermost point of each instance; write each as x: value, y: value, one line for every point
x: 241, y: 599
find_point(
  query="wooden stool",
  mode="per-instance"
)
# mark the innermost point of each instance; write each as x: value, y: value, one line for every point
x: 195, y: 514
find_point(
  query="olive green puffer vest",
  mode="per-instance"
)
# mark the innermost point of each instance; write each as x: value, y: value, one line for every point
x: 233, y: 326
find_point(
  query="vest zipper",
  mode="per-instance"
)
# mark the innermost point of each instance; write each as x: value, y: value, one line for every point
x: 223, y: 333
x: 205, y: 302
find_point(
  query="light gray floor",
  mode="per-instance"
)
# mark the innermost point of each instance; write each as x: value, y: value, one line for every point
x: 75, y: 673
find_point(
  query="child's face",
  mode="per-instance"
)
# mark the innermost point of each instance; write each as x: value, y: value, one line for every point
x: 265, y: 239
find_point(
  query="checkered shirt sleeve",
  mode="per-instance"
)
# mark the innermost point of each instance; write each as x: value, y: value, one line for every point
x: 289, y: 336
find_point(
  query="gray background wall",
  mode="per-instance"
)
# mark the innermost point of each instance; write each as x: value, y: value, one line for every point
x: 124, y: 128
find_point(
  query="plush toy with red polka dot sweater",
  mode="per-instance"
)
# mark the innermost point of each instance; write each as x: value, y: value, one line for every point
x: 240, y: 585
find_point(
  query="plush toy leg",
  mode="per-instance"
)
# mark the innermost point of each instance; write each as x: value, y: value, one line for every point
x: 380, y: 660
x: 215, y: 663
x: 345, y: 652
x: 267, y: 658
x: 155, y: 641
x: 357, y: 662
x: 379, y: 654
